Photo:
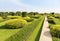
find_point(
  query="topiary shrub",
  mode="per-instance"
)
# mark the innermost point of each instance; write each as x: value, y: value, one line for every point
x: 55, y: 30
x: 28, y: 19
x: 15, y: 23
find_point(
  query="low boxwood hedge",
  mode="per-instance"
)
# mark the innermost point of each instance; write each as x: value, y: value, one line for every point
x: 35, y: 35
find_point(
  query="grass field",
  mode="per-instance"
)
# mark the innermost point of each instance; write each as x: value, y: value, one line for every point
x: 6, y: 33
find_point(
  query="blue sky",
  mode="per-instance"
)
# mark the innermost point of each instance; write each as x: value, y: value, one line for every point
x: 30, y: 5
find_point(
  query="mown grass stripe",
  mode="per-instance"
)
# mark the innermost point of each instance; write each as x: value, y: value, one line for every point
x: 35, y: 34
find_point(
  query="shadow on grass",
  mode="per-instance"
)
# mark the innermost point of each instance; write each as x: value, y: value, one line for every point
x: 51, y: 22
x: 3, y: 27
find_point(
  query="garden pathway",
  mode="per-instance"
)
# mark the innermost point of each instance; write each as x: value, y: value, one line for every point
x: 45, y: 34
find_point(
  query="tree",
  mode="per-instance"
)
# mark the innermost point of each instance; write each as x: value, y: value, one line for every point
x: 12, y: 13
x: 24, y: 14
x: 35, y: 13
x: 52, y: 13
x: 1, y: 13
x: 18, y: 13
x: 5, y: 15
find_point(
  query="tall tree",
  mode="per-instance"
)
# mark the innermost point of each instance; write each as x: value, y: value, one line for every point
x: 5, y: 14
x: 1, y: 13
x: 18, y: 13
x: 52, y: 13
x: 36, y: 13
x: 11, y: 13
x: 24, y: 14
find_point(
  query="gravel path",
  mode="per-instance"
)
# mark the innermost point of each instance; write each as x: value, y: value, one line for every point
x: 45, y: 34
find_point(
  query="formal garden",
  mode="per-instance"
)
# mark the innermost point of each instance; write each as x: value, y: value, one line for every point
x: 20, y: 26
x: 27, y: 26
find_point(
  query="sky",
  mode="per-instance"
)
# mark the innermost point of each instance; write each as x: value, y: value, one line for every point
x: 30, y: 5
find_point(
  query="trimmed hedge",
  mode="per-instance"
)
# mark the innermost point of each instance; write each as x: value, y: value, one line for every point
x: 35, y: 35
x: 14, y: 17
x: 56, y: 21
x: 15, y: 23
x: 55, y: 30
x: 50, y: 17
x: 28, y: 19
x: 24, y: 32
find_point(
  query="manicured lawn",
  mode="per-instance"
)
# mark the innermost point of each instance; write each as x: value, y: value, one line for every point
x: 6, y: 33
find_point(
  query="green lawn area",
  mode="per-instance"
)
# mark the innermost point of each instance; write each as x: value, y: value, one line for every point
x: 6, y: 33
x: 21, y: 34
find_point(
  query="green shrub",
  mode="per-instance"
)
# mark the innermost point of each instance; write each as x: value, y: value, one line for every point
x: 50, y: 17
x: 55, y: 30
x: 36, y: 16
x: 24, y: 14
x: 28, y: 19
x: 1, y: 19
x: 15, y: 23
x: 13, y: 17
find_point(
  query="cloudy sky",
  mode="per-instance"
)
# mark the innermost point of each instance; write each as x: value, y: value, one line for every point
x: 30, y: 5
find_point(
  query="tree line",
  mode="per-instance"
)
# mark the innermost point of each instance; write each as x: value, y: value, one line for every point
x: 18, y: 13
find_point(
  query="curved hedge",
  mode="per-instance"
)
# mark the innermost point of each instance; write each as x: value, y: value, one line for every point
x: 15, y: 23
x: 14, y: 17
x: 24, y: 32
x: 28, y: 19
